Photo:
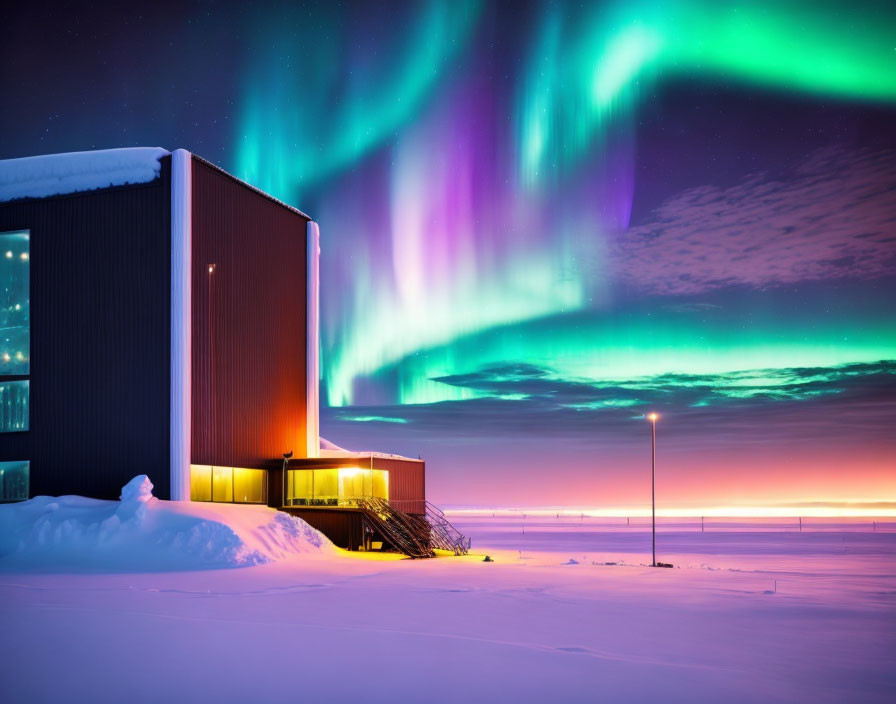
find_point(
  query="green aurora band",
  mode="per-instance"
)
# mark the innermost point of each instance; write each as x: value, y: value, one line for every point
x: 639, y: 350
x: 308, y: 114
x: 588, y: 70
x: 584, y: 75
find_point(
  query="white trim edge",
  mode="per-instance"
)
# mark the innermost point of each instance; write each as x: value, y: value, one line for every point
x: 312, y: 342
x: 181, y: 321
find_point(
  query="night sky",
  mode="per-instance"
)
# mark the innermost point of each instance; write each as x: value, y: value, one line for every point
x: 542, y: 220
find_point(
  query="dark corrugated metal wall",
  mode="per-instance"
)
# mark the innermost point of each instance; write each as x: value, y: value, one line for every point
x: 249, y: 333
x: 342, y: 526
x: 100, y: 331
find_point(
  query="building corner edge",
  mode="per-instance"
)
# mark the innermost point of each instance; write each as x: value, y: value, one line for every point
x: 312, y: 344
x: 181, y: 322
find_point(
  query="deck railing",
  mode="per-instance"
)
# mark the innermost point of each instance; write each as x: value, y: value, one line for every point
x: 415, y: 506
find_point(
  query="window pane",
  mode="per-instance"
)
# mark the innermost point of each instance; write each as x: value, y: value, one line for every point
x: 222, y: 484
x: 300, y: 486
x: 15, y: 308
x: 249, y: 485
x: 14, y: 397
x: 200, y: 482
x: 14, y: 480
x: 380, y: 484
x: 326, y: 487
x: 331, y: 487
x: 352, y: 482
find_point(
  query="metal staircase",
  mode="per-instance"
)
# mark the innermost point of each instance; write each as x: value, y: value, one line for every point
x: 443, y: 534
x: 414, y: 535
x: 400, y: 529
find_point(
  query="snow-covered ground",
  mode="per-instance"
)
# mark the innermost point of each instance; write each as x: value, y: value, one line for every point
x: 547, y: 621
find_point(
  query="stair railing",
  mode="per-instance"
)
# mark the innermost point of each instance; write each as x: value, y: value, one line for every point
x: 400, y: 529
x: 445, y: 535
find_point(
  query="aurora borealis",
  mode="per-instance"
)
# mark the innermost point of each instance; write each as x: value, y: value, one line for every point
x: 541, y: 219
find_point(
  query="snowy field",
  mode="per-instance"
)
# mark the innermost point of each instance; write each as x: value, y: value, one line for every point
x: 750, y: 613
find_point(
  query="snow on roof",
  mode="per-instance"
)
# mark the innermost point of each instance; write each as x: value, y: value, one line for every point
x: 332, y: 451
x: 327, y: 445
x: 55, y: 174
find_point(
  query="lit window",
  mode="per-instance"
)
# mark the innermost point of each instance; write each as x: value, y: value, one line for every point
x: 15, y: 320
x: 228, y: 484
x: 222, y: 484
x: 249, y: 486
x: 14, y: 478
x: 342, y: 486
x: 14, y: 401
x: 200, y: 482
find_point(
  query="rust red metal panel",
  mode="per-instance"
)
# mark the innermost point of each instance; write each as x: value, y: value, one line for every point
x: 407, y: 483
x: 248, y: 370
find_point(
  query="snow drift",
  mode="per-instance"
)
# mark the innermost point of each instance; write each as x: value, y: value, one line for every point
x: 143, y: 533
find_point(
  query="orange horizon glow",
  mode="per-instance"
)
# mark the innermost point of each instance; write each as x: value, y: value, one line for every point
x: 744, y: 481
x: 709, y: 512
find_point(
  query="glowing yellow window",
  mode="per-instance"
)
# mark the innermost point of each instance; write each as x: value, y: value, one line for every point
x: 380, y: 484
x: 352, y: 483
x: 300, y: 486
x: 222, y: 484
x: 326, y: 486
x: 249, y: 485
x: 200, y: 482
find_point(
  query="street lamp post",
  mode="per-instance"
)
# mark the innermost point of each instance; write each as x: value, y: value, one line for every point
x: 652, y: 418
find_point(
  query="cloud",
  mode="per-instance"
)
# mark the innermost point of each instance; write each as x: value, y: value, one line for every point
x: 540, y: 385
x: 833, y: 216
x: 761, y: 407
x: 527, y: 381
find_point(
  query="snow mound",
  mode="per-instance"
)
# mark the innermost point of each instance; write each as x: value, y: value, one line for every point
x: 54, y: 174
x: 143, y: 533
x: 138, y: 490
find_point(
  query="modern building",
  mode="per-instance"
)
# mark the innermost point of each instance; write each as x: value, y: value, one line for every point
x: 160, y: 316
